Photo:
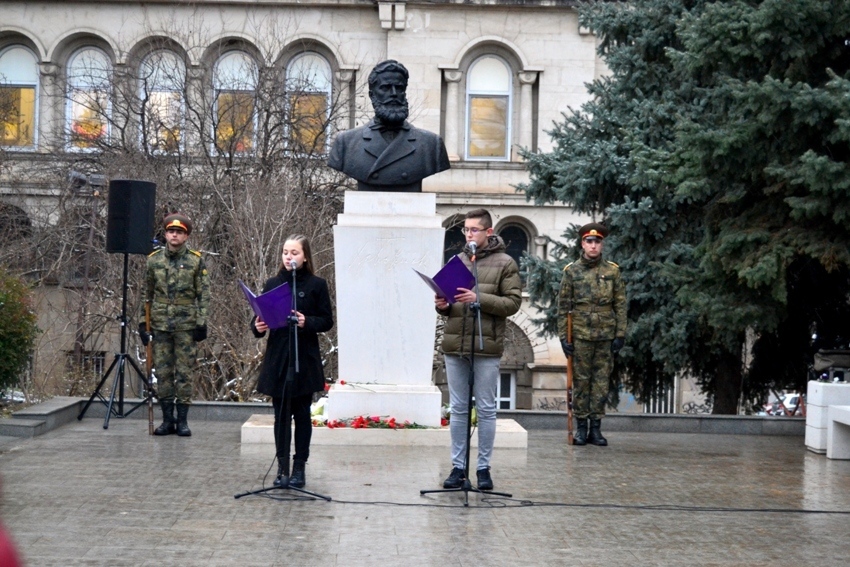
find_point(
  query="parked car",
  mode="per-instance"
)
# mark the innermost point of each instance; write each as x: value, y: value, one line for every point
x: 8, y: 397
x: 787, y: 405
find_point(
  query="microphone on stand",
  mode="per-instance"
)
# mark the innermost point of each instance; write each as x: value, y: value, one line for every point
x: 472, y: 247
x: 292, y: 317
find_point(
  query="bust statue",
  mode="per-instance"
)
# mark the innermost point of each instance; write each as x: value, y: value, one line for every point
x: 388, y: 153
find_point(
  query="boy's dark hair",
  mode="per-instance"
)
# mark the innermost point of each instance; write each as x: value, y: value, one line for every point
x: 482, y: 215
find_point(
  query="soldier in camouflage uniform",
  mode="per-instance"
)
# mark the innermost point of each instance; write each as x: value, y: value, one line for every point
x: 178, y: 290
x: 592, y: 289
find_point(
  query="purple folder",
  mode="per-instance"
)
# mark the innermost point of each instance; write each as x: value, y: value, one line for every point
x: 273, y: 306
x: 452, y: 276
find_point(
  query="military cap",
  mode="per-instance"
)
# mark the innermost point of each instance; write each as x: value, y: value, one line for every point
x: 176, y: 220
x: 593, y: 229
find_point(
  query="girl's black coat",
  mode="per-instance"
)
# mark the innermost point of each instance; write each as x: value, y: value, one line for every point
x: 315, y: 303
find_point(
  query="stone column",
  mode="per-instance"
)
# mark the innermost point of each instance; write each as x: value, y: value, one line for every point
x: 50, y: 104
x: 345, y: 103
x: 125, y: 90
x: 385, y: 313
x: 540, y: 247
x: 196, y: 93
x: 526, y: 80
x: 452, y: 140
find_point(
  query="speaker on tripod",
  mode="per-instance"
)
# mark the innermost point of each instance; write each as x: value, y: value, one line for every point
x: 130, y: 220
x: 129, y: 230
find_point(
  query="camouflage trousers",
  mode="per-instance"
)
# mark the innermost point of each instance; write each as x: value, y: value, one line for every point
x: 593, y: 363
x: 174, y: 356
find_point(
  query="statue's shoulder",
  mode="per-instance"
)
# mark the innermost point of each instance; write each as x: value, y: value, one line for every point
x: 351, y: 136
x: 343, y: 137
x: 423, y: 134
x: 357, y: 131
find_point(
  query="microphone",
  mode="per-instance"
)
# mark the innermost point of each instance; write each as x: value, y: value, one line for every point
x: 293, y: 264
x: 472, y: 248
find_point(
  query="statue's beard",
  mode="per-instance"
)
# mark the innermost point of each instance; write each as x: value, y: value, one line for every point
x: 392, y: 113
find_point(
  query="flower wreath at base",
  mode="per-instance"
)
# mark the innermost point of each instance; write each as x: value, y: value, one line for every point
x: 319, y: 418
x: 368, y: 421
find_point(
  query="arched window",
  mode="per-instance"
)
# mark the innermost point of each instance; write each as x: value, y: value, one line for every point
x: 162, y: 80
x: 14, y: 223
x: 89, y: 80
x: 516, y: 241
x: 235, y: 82
x: 488, y: 109
x: 18, y: 93
x: 309, y: 90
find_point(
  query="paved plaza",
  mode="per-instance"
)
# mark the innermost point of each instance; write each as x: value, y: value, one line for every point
x: 82, y: 495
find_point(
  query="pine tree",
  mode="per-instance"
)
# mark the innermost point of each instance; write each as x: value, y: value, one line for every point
x: 716, y: 152
x: 763, y: 152
x: 601, y: 166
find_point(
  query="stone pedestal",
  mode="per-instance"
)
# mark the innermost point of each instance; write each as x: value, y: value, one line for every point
x: 385, y: 313
x: 819, y: 396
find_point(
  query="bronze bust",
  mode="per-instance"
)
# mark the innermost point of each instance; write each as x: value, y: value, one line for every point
x: 388, y: 153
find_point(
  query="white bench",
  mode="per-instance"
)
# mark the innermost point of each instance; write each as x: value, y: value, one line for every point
x: 838, y: 433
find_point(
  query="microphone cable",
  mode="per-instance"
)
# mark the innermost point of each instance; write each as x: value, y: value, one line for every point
x: 493, y: 502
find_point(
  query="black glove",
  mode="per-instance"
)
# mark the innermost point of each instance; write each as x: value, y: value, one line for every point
x: 200, y: 333
x: 617, y: 344
x: 569, y: 349
x: 143, y: 334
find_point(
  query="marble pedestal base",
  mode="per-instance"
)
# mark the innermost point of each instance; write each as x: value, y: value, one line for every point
x: 385, y: 313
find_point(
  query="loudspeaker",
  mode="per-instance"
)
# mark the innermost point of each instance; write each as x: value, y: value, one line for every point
x: 130, y: 221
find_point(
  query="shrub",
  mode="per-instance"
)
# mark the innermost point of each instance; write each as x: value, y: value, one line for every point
x: 18, y: 328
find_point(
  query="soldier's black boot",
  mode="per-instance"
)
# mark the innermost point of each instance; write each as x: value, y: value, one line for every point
x: 580, y: 435
x: 182, y: 426
x: 299, y: 475
x: 595, y: 435
x: 169, y: 426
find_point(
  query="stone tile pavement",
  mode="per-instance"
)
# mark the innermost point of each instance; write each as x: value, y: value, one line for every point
x: 81, y: 495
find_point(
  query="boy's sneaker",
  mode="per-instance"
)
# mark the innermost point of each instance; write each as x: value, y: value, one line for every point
x: 455, y: 479
x: 485, y: 482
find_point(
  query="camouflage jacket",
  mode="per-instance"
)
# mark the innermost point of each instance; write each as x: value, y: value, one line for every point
x: 178, y: 288
x: 596, y: 294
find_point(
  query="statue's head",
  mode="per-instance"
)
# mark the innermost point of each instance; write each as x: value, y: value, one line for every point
x: 388, y: 92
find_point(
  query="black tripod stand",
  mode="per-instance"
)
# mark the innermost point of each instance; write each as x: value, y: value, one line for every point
x: 119, y: 364
x: 467, y: 487
x: 285, y: 421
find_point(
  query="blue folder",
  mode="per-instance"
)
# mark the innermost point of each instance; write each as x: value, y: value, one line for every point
x: 452, y: 276
x: 273, y: 306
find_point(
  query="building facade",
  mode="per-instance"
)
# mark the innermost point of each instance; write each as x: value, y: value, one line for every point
x: 491, y: 76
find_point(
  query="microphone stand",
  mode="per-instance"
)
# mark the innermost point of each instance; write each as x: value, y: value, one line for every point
x: 286, y: 419
x: 467, y: 487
